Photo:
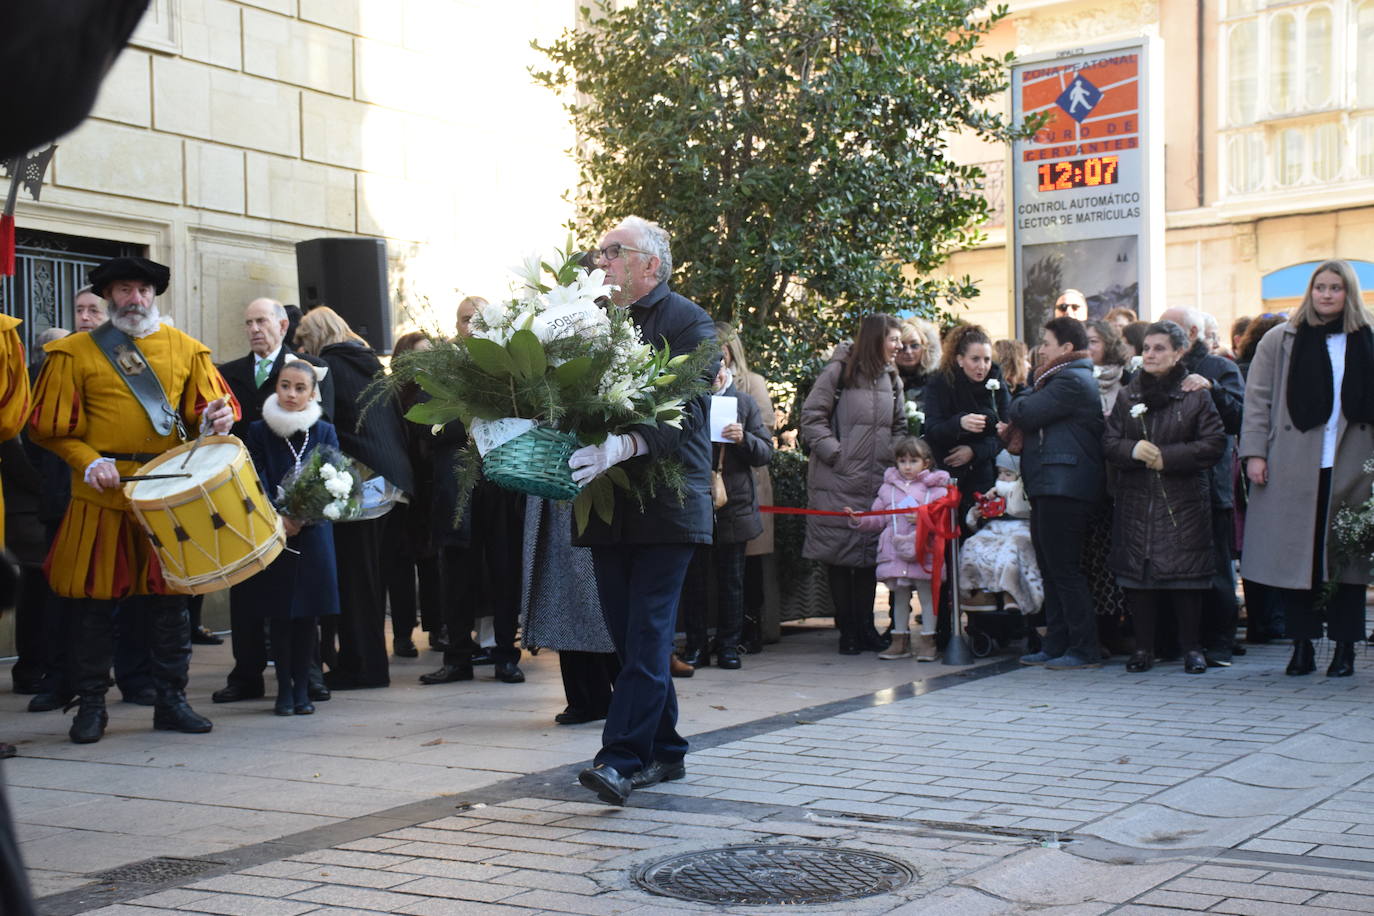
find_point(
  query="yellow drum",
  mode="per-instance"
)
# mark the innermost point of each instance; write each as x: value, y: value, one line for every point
x: 214, y: 527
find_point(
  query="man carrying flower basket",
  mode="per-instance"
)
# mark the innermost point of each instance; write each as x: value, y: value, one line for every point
x: 641, y: 557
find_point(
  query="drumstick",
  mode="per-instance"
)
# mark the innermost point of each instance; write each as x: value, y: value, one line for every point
x: 130, y: 478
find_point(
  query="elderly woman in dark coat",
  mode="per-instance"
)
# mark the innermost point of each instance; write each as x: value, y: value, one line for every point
x: 1061, y: 463
x: 738, y: 521
x: 849, y: 421
x: 1163, y: 439
x: 1305, y: 440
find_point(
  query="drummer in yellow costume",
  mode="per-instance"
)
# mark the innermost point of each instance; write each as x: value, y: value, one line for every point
x: 86, y: 413
x: 14, y: 391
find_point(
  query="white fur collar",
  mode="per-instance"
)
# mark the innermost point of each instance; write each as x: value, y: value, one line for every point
x: 286, y: 423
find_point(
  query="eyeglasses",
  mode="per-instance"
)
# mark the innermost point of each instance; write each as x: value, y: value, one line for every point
x: 912, y: 347
x: 613, y: 250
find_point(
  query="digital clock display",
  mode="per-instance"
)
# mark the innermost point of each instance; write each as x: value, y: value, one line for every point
x: 1077, y: 173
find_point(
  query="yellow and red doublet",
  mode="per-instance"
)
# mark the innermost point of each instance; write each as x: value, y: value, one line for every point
x: 14, y: 391
x: 82, y: 410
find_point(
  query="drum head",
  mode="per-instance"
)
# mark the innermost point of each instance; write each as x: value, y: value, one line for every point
x: 209, y: 460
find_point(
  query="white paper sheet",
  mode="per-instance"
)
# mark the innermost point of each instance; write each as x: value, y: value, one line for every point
x: 724, y: 411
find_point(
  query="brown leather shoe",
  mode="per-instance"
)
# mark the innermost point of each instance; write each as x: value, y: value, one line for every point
x: 678, y: 668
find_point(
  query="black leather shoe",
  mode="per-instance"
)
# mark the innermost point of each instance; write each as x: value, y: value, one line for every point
x: 1304, y: 660
x: 28, y: 688
x: 7, y: 751
x: 696, y: 657
x: 232, y: 693
x: 482, y: 657
x: 728, y: 658
x: 285, y: 706
x: 448, y: 674
x: 1217, y: 658
x: 438, y: 641
x: 145, y: 697
x: 202, y: 636
x: 657, y: 772
x: 178, y: 716
x: 319, y: 693
x: 1140, y: 661
x: 1194, y: 662
x: 336, y: 680
x: 305, y: 709
x: 91, y: 719
x: 609, y: 785
x: 849, y: 646
x: 404, y: 648
x: 509, y: 673
x: 1342, y: 660
x: 47, y: 702
x: 572, y: 716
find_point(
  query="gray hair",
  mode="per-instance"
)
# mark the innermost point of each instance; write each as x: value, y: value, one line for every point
x: 1178, y: 338
x: 653, y: 238
x: 46, y: 337
x: 83, y: 290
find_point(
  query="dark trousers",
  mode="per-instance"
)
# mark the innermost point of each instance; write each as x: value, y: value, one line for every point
x: 15, y: 899
x: 1344, y: 610
x: 248, y: 639
x: 169, y: 631
x: 293, y: 650
x: 639, y: 586
x: 1263, y: 612
x: 853, y: 590
x: 362, y: 655
x: 587, y: 679
x: 1059, y: 526
x: 30, y: 638
x: 463, y: 574
x: 133, y: 652
x: 410, y: 606
x: 1147, y: 606
x: 728, y: 563
x: 1219, y: 611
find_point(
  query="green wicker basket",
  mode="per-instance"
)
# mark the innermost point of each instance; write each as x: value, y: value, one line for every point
x: 534, y: 462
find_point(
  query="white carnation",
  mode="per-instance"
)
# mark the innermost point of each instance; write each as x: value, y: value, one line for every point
x: 993, y: 384
x: 332, y: 511
x: 1138, y: 410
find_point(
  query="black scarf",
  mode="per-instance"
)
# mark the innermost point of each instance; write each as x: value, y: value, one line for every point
x: 1310, y: 385
x: 1156, y: 389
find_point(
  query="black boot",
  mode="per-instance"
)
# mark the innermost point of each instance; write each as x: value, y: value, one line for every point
x: 1342, y: 660
x: 1304, y: 660
x: 91, y: 719
x: 697, y: 656
x: 751, y: 643
x: 174, y: 714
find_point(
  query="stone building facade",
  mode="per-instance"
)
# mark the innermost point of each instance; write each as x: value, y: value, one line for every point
x: 1268, y: 119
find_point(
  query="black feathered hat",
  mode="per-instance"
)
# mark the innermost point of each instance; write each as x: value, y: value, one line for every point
x: 102, y: 275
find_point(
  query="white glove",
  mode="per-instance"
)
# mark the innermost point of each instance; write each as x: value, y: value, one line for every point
x: 100, y: 481
x: 591, y: 461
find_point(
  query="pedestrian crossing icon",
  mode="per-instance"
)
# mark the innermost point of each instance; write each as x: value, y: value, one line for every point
x: 1079, y: 99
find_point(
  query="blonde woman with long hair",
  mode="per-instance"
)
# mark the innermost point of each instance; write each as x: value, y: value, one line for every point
x: 1308, y: 430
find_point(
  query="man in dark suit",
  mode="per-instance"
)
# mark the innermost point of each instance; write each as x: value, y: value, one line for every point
x: 253, y: 378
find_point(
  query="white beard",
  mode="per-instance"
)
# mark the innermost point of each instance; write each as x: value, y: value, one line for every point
x: 286, y: 423
x: 136, y: 327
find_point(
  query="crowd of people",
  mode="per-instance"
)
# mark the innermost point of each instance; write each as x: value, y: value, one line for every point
x: 1105, y: 494
x: 1099, y: 488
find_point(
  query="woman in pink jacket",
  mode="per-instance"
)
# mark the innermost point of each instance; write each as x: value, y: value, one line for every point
x: 912, y: 483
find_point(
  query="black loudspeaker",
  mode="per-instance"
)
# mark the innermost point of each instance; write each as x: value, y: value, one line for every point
x: 349, y: 276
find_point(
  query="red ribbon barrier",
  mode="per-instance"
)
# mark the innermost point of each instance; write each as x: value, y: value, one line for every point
x: 935, y: 527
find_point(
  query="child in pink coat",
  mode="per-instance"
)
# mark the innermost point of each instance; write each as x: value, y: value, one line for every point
x: 913, y: 482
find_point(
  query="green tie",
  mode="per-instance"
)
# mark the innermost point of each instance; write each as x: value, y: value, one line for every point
x: 261, y: 373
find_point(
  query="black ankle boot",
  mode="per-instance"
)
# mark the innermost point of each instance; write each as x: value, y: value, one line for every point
x: 91, y: 719
x: 698, y: 657
x: 1304, y: 660
x: 174, y: 714
x: 1342, y: 660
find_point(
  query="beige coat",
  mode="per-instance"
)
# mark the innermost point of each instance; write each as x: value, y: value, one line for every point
x: 754, y: 386
x: 1280, y: 524
x: 849, y: 470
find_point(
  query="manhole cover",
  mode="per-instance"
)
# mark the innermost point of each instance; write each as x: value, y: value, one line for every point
x: 773, y: 875
x: 155, y: 871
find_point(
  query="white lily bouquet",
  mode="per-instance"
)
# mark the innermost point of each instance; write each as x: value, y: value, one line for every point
x: 546, y: 371
x: 915, y: 418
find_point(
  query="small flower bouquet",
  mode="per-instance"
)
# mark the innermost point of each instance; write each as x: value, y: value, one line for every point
x: 1352, y: 534
x: 915, y: 418
x: 548, y: 370
x: 327, y: 487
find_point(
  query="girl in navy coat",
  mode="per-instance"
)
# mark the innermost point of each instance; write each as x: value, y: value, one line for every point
x: 301, y: 585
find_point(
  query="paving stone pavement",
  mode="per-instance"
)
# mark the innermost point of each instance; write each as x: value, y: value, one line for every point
x: 1005, y: 789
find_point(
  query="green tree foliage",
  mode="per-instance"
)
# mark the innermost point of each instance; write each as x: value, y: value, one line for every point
x: 796, y: 150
